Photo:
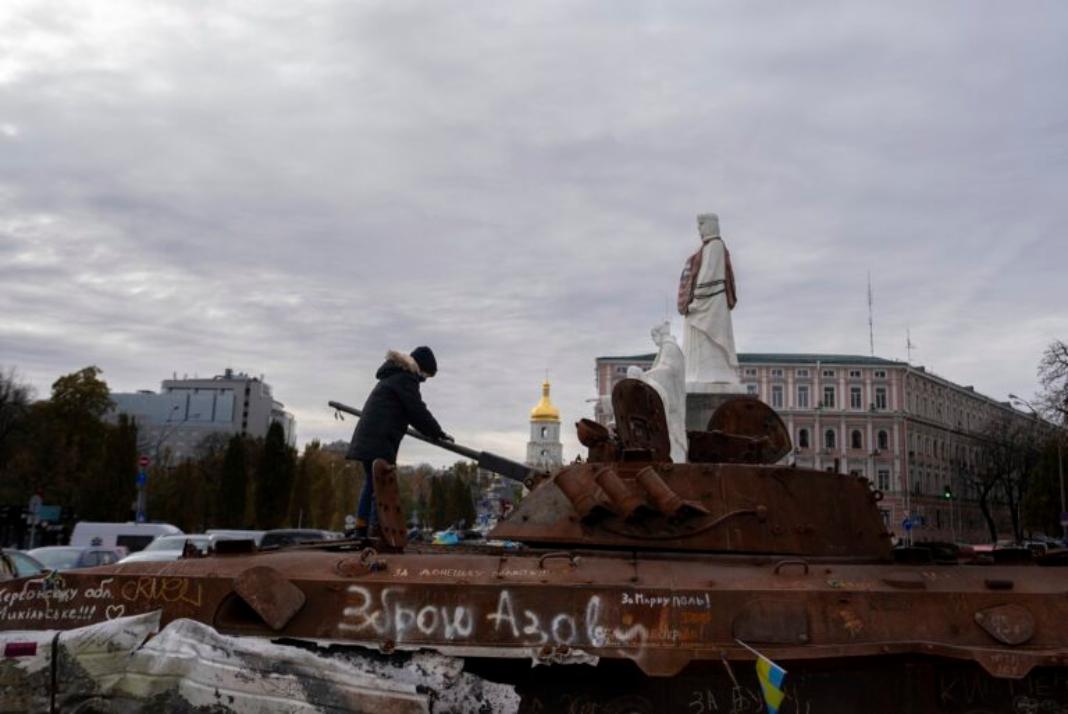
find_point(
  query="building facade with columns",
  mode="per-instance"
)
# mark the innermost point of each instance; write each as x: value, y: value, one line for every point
x: 914, y: 434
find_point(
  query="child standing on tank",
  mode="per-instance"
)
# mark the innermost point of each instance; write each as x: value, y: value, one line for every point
x: 393, y: 405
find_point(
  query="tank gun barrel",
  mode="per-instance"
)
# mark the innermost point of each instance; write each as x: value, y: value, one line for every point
x: 491, y: 462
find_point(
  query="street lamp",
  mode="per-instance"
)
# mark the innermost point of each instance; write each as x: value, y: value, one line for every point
x: 1060, y: 463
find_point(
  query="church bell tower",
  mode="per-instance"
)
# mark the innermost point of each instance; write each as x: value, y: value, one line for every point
x: 544, y: 450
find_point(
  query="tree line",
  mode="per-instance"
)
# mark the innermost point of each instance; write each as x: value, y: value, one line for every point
x: 74, y: 452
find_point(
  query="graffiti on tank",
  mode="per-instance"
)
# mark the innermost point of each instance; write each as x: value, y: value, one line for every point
x: 51, y: 600
x: 401, y: 615
x: 154, y: 589
x: 389, y: 616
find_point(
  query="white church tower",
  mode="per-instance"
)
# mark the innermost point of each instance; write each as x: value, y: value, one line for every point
x: 544, y: 450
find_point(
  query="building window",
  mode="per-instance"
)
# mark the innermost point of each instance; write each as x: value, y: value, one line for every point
x: 751, y: 389
x: 829, y: 439
x: 880, y: 397
x: 544, y: 431
x: 802, y: 438
x: 621, y: 370
x: 776, y: 396
x: 776, y: 373
x: 854, y: 374
x: 750, y: 372
x: 802, y: 373
x: 828, y: 397
x: 856, y: 440
x: 855, y: 400
x: 883, y: 479
x: 828, y: 373
x: 880, y: 374
x: 802, y: 396
x: 884, y: 440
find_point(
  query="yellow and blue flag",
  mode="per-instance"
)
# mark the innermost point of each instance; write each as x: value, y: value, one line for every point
x: 770, y: 676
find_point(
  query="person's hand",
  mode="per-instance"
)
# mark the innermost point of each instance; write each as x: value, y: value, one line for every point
x: 446, y: 437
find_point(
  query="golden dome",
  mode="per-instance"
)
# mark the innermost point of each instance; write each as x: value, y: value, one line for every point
x: 545, y: 411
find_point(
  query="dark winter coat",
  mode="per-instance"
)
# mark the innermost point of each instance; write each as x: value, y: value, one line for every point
x: 393, y: 405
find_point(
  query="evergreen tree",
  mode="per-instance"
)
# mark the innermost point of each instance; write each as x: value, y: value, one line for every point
x: 438, y: 515
x: 274, y: 479
x: 461, y: 505
x: 300, y: 499
x: 234, y: 485
x: 115, y: 488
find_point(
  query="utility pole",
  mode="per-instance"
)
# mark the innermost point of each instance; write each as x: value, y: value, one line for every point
x: 871, y: 323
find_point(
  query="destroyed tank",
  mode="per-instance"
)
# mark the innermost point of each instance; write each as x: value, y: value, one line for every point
x: 640, y: 584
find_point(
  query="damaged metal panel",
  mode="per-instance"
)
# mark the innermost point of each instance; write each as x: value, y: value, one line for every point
x: 110, y: 667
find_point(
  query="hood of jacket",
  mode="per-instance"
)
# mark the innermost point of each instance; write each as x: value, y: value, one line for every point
x: 399, y: 362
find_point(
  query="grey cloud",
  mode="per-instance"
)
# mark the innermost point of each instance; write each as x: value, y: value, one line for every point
x: 294, y: 189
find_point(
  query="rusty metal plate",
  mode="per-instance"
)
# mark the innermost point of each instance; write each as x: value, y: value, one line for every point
x: 270, y: 594
x: 753, y: 418
x: 600, y: 442
x: 640, y: 419
x: 1008, y: 624
x: 392, y: 529
x: 717, y: 447
x: 782, y: 622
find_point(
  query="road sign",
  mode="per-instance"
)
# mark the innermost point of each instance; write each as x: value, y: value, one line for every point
x: 144, y: 461
x: 907, y: 523
x: 48, y: 514
x: 142, y: 478
x: 35, y: 504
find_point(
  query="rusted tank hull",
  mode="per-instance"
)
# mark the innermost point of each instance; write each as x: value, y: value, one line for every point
x: 661, y: 612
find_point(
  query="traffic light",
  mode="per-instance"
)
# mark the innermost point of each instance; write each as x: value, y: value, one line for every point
x: 947, y: 493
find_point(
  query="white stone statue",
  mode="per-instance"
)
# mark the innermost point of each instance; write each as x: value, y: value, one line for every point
x: 668, y: 377
x: 706, y: 298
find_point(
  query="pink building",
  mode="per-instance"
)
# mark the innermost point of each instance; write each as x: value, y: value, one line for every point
x: 912, y: 433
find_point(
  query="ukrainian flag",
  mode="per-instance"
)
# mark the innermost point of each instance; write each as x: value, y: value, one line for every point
x: 770, y: 676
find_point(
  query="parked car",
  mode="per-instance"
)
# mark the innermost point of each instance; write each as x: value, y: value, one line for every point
x: 293, y: 536
x: 237, y: 534
x: 132, y: 536
x: 16, y: 564
x: 66, y: 557
x: 170, y: 547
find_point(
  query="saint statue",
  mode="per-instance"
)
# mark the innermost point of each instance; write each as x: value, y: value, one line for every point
x: 668, y: 377
x: 706, y: 297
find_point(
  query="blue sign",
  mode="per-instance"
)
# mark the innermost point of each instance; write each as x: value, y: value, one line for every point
x: 907, y: 523
x: 142, y: 478
x: 48, y: 514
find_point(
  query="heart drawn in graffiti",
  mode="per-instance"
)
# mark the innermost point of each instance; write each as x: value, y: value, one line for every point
x: 114, y: 611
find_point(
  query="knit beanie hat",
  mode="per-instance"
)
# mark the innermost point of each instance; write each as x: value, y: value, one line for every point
x: 424, y: 357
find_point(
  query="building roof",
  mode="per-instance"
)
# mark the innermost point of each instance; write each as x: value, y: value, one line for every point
x: 782, y: 358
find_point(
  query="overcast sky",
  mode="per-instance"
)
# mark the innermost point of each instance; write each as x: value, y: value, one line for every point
x: 292, y: 188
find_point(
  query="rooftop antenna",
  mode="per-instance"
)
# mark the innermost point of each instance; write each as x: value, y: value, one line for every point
x: 908, y: 345
x: 871, y: 324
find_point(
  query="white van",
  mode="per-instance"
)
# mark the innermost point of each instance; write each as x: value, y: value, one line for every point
x: 129, y: 535
x: 236, y: 534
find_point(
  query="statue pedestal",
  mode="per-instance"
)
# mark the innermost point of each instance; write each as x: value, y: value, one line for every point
x: 703, y: 399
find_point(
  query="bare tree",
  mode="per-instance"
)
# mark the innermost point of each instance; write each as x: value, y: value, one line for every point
x: 1053, y: 376
x: 15, y: 398
x: 984, y: 477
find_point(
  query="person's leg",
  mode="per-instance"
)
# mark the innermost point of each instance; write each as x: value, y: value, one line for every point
x: 365, y: 511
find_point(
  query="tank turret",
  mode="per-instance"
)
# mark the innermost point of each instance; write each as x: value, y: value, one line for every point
x: 730, y: 497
